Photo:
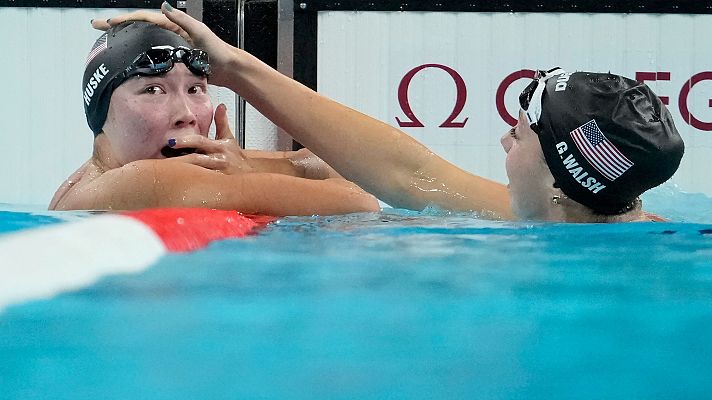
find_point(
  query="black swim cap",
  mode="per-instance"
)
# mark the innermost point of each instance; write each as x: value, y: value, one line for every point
x: 111, y: 54
x: 606, y: 138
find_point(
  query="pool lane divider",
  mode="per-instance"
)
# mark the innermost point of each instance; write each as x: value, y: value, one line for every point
x: 42, y: 262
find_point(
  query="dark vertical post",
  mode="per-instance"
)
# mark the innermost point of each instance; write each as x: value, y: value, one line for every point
x: 221, y: 17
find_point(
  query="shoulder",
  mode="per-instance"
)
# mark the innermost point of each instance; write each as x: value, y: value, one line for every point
x: 650, y: 217
x: 139, y: 184
x: 82, y: 176
x: 168, y: 183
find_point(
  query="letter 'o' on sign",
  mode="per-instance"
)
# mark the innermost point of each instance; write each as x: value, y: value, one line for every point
x: 502, y: 90
x: 411, y: 121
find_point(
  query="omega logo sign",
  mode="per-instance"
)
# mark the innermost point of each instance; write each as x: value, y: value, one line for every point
x: 460, y: 100
x: 412, y: 121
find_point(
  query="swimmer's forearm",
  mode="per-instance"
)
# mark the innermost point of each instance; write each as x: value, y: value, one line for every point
x: 266, y: 154
x: 376, y: 156
x: 155, y: 184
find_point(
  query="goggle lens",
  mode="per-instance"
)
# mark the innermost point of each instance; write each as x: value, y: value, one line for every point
x: 198, y: 62
x: 158, y: 61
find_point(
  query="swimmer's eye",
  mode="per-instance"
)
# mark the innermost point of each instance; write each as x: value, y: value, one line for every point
x: 197, y: 89
x: 154, y: 89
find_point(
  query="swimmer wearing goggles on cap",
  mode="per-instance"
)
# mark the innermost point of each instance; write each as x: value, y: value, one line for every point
x: 585, y: 147
x: 146, y: 101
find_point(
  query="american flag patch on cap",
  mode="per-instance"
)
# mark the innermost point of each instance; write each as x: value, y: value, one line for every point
x: 99, y: 46
x: 599, y: 151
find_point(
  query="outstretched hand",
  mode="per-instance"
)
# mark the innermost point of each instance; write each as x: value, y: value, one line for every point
x: 194, y: 31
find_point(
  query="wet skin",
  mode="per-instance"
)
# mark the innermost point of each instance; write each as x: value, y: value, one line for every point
x: 530, y: 181
x: 147, y: 111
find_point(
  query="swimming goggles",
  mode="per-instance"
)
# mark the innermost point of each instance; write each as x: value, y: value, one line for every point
x: 530, y: 98
x: 161, y: 59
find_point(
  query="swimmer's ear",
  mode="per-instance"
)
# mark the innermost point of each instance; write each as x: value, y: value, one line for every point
x: 222, y: 124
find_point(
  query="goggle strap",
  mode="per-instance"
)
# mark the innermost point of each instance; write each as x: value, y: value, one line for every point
x: 533, y: 112
x: 189, y: 57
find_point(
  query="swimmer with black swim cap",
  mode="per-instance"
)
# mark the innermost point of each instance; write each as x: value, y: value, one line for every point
x: 605, y: 139
x: 130, y: 50
x: 146, y: 101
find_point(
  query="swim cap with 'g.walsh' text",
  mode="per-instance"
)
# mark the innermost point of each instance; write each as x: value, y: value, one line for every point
x: 606, y: 139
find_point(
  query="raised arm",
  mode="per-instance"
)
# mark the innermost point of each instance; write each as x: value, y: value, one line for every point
x: 161, y: 183
x: 378, y: 157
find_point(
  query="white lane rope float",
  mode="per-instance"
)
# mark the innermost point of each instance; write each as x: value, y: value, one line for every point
x: 42, y: 262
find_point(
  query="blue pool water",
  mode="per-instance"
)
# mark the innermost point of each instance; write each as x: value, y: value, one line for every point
x: 16, y: 221
x: 389, y: 305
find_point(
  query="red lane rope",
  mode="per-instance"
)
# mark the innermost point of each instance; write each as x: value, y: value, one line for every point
x: 188, y: 229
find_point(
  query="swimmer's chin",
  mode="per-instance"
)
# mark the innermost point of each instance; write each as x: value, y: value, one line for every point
x: 170, y: 152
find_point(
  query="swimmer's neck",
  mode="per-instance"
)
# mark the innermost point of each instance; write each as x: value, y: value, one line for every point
x: 102, y: 156
x: 575, y: 212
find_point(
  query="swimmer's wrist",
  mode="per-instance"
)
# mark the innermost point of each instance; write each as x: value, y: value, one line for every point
x: 227, y: 71
x: 239, y: 60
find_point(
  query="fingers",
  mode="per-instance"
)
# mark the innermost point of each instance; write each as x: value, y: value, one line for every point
x: 222, y: 124
x: 183, y: 20
x: 141, y: 15
x: 198, y: 142
x: 100, y: 24
x: 171, y: 19
x: 214, y: 161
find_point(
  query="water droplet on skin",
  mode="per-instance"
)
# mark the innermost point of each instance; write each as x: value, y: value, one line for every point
x: 425, y: 183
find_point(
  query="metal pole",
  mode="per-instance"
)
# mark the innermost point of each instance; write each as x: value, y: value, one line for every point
x: 285, y: 56
x: 285, y: 37
x: 239, y: 101
x: 194, y: 8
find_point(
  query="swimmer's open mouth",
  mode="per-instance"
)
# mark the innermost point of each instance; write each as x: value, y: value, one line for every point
x: 169, y: 152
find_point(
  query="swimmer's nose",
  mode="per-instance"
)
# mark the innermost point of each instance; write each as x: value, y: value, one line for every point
x: 506, y: 141
x: 183, y: 114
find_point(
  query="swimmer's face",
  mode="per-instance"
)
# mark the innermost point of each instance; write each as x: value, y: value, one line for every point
x: 146, y: 111
x: 530, y: 181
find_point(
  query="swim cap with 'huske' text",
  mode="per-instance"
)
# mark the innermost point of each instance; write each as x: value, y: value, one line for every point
x: 111, y: 54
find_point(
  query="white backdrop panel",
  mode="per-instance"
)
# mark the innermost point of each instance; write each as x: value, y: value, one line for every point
x: 44, y: 132
x: 364, y: 56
